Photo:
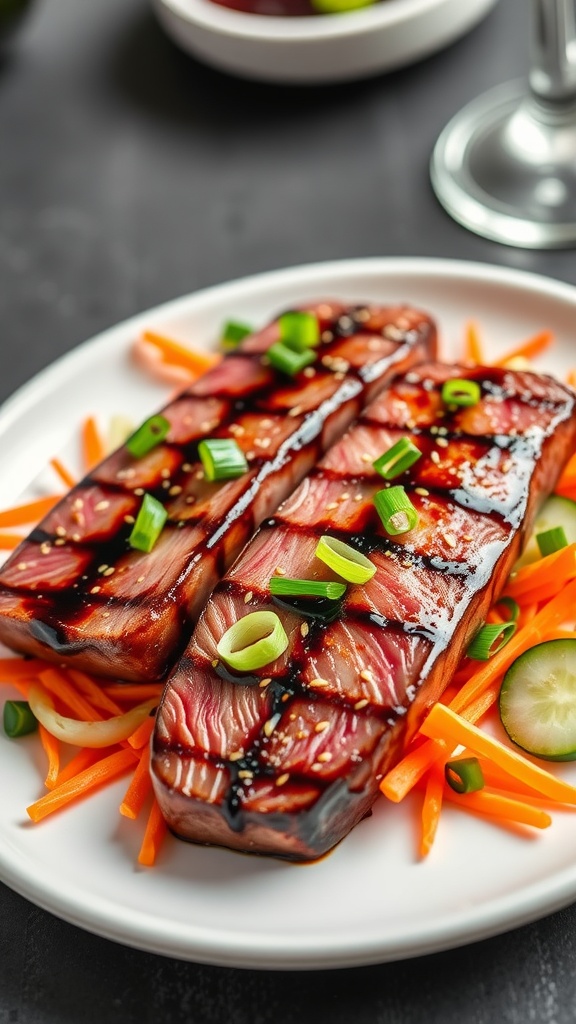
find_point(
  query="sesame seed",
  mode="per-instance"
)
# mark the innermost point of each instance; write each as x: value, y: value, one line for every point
x: 366, y: 674
x: 295, y: 411
x: 236, y: 755
x: 245, y: 774
x: 411, y: 423
x: 265, y: 682
x: 360, y: 704
x: 282, y: 779
x: 96, y: 590
x: 165, y: 484
x: 285, y: 697
x: 263, y: 442
x: 139, y: 491
x: 22, y: 566
x: 214, y: 662
x: 76, y: 537
x: 101, y: 505
x: 199, y: 474
x: 140, y: 579
x: 406, y: 563
x: 250, y: 455
x: 78, y: 503
x: 302, y: 734
x: 316, y: 767
x: 308, y: 371
x: 109, y: 571
x: 421, y: 491
x: 59, y: 542
x: 467, y: 536
x: 270, y: 725
x: 304, y: 629
x: 324, y: 757
x: 165, y: 473
x: 129, y: 519
x: 450, y: 540
x: 102, y: 568
x: 248, y: 597
x: 319, y: 682
x: 357, y: 497
x: 339, y: 375
x: 331, y: 506
x: 186, y: 466
x: 321, y: 726
x: 506, y: 465
x: 366, y: 457
x: 176, y: 489
x: 441, y: 442
x: 60, y: 531
x: 279, y: 571
x: 345, y: 496
x: 435, y: 458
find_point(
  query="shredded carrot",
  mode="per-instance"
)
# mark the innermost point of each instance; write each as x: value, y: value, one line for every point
x: 57, y: 683
x: 472, y: 345
x: 30, y: 512
x: 496, y: 805
x: 133, y: 691
x: 542, y: 579
x: 413, y: 766
x: 9, y: 541
x: 528, y: 350
x: 571, y: 378
x: 106, y: 770
x: 444, y: 724
x: 142, y: 734
x: 93, y: 448
x: 51, y: 747
x: 431, y: 809
x: 139, y: 789
x: 196, y: 361
x: 94, y: 693
x: 19, y: 668
x: 64, y: 474
x: 156, y: 830
x: 85, y: 758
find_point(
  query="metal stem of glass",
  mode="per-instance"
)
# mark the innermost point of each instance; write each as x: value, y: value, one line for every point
x: 505, y: 166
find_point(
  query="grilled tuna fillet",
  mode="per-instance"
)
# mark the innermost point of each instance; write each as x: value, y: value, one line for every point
x: 75, y: 591
x: 287, y: 761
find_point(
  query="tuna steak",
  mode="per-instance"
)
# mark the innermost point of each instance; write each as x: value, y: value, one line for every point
x: 286, y: 761
x: 75, y: 591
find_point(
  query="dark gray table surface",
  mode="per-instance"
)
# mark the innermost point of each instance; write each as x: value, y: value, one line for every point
x: 131, y: 174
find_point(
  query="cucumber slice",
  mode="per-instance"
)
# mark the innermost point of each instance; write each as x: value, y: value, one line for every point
x: 556, y: 511
x: 538, y: 700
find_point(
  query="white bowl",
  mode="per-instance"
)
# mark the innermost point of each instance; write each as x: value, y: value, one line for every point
x: 326, y: 48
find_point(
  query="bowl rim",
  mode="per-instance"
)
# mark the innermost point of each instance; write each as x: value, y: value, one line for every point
x: 384, y: 14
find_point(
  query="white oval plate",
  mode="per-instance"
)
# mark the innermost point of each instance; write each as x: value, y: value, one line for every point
x: 370, y: 900
x: 327, y: 48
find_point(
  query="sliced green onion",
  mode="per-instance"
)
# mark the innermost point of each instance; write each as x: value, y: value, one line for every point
x: 254, y: 641
x: 287, y: 360
x: 512, y: 606
x: 306, y: 588
x: 299, y: 331
x: 348, y: 563
x: 149, y: 524
x: 151, y: 433
x: 482, y: 646
x: 460, y: 391
x: 398, y: 458
x: 464, y: 775
x: 396, y: 511
x: 222, y: 458
x: 18, y: 719
x: 552, y: 540
x: 233, y: 333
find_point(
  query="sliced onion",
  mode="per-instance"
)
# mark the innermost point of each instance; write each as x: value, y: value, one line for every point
x: 86, y: 734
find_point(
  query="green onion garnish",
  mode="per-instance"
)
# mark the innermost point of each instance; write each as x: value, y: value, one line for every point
x: 299, y: 331
x: 464, y: 774
x: 233, y: 333
x: 552, y: 540
x: 222, y: 458
x: 149, y: 524
x: 252, y: 642
x: 482, y: 646
x: 348, y: 563
x: 398, y: 458
x: 461, y: 392
x: 151, y: 433
x: 281, y: 585
x: 18, y: 719
x: 287, y: 360
x: 396, y: 511
x: 512, y: 606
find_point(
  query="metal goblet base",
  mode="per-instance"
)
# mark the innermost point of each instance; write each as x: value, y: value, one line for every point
x: 505, y: 167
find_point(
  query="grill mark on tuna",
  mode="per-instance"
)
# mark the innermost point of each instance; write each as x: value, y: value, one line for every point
x: 123, y: 613
x: 335, y: 708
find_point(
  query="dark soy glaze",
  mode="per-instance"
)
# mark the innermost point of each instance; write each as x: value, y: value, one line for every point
x: 291, y: 766
x: 75, y: 592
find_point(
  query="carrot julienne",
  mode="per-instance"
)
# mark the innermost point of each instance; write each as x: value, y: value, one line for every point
x: 106, y: 770
x: 473, y: 352
x: 528, y: 349
x: 51, y: 747
x: 9, y: 541
x: 64, y: 474
x: 29, y: 512
x: 431, y: 808
x: 139, y: 789
x: 195, y: 361
x: 156, y: 830
x: 93, y: 448
x: 499, y: 806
